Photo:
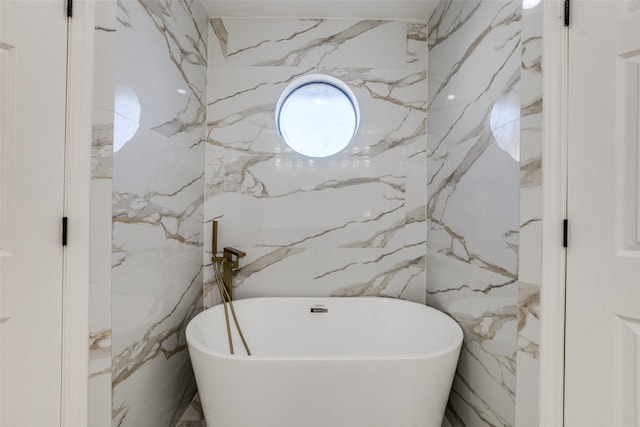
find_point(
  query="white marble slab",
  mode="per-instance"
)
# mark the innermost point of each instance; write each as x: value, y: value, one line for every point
x: 350, y: 224
x: 530, y: 262
x: 473, y: 198
x: 157, y: 206
x: 99, y: 380
x: 355, y: 224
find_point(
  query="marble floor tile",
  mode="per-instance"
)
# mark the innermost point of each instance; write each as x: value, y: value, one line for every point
x: 193, y: 416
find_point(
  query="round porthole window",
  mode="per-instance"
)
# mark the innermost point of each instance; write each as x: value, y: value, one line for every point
x: 317, y: 115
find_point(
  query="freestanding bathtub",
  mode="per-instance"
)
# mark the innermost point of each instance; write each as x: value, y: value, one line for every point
x: 325, y: 362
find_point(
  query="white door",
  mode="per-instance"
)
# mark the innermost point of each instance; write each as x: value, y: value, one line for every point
x: 33, y: 38
x: 602, y: 366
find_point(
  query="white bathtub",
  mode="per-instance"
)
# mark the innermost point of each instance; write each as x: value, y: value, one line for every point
x: 366, y: 362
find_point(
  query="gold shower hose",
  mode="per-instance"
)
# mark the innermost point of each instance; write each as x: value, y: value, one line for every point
x: 226, y: 299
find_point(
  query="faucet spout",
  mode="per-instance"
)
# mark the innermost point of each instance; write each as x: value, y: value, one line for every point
x: 233, y: 254
x: 230, y: 261
x: 230, y: 258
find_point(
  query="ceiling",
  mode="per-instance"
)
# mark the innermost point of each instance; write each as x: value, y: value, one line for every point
x: 372, y: 9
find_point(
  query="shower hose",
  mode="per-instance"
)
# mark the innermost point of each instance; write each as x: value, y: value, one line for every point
x: 226, y: 300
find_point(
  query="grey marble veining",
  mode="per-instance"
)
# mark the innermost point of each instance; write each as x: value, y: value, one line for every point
x: 355, y: 224
x: 530, y: 263
x: 350, y: 224
x: 101, y: 156
x: 473, y: 198
x: 416, y: 38
x: 157, y: 206
x: 160, y: 339
x: 100, y: 333
x: 528, y: 310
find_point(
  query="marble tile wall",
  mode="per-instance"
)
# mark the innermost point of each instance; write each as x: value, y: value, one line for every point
x: 473, y: 198
x: 157, y: 205
x: 351, y: 224
x: 100, y: 218
x: 530, y: 265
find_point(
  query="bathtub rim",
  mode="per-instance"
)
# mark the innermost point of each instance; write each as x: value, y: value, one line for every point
x: 456, y: 344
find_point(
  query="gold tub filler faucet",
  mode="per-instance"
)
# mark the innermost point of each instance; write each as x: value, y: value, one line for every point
x: 223, y: 267
x: 230, y: 260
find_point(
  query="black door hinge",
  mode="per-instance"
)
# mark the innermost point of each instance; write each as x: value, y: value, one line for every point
x: 567, y: 13
x: 69, y: 8
x: 565, y: 233
x: 64, y: 230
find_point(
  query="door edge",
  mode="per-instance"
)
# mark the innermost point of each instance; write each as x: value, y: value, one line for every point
x: 75, y: 306
x: 554, y: 172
